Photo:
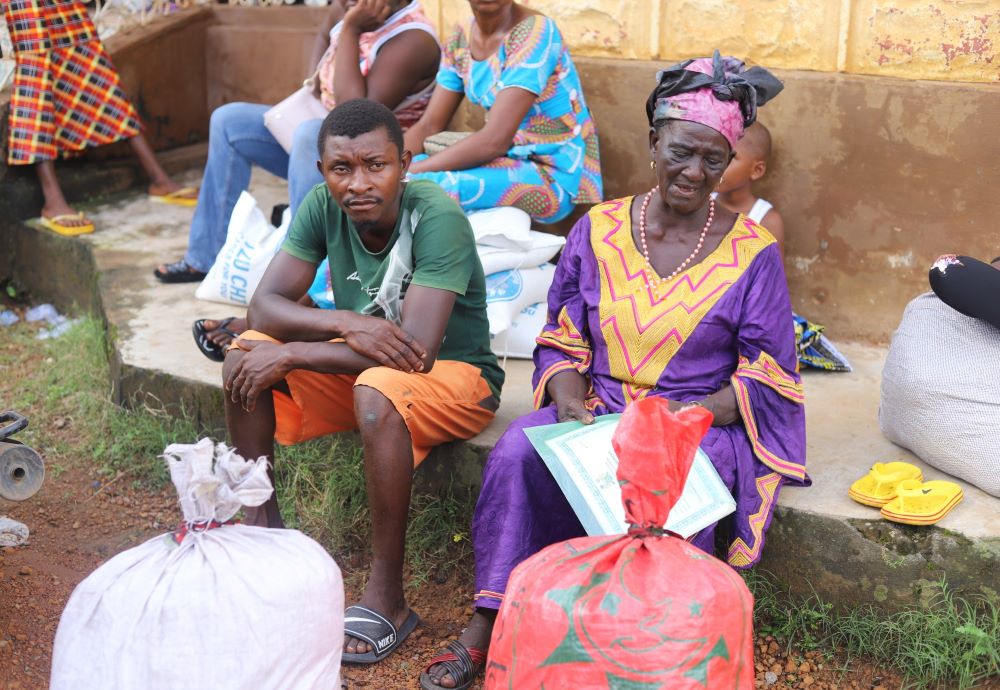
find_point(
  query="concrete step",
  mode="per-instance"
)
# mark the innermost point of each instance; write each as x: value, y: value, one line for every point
x: 819, y: 538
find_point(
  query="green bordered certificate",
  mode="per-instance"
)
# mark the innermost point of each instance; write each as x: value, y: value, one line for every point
x: 583, y: 463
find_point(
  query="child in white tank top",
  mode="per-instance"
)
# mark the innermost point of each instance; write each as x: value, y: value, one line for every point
x: 736, y: 194
x: 736, y: 188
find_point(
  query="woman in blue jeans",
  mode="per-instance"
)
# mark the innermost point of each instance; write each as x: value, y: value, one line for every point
x: 356, y: 32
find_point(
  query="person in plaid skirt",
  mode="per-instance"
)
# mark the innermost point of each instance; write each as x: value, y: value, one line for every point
x: 67, y: 97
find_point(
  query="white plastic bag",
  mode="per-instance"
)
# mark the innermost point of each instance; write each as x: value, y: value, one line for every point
x: 7, y: 62
x: 518, y: 341
x: 505, y: 227
x: 234, y: 607
x: 508, y: 292
x: 251, y: 243
x: 538, y: 249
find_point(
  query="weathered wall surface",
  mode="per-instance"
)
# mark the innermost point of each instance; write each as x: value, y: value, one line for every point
x: 949, y: 40
x: 258, y: 56
x: 875, y: 176
x: 162, y: 68
x: 874, y: 180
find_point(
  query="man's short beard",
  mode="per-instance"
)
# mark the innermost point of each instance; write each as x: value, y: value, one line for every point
x: 366, y: 226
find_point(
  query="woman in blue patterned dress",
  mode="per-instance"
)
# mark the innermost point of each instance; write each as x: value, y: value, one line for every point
x: 538, y: 149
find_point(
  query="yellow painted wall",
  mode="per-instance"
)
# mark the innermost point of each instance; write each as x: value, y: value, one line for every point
x: 950, y: 40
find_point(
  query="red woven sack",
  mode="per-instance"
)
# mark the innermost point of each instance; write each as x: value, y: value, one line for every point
x: 642, y: 611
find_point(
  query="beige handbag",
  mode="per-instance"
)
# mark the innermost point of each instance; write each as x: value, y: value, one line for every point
x: 282, y: 119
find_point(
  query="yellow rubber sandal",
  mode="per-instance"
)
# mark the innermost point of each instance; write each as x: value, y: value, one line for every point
x: 878, y: 487
x: 922, y: 503
x: 57, y: 224
x: 182, y: 197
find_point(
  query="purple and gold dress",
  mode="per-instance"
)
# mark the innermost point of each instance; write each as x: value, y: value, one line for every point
x: 723, y: 321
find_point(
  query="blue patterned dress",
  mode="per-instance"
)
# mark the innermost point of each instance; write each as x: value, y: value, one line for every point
x: 554, y: 161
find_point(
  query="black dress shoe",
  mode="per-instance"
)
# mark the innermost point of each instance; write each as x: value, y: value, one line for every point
x: 179, y: 272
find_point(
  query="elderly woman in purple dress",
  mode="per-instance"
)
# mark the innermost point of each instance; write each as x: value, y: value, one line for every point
x: 665, y: 293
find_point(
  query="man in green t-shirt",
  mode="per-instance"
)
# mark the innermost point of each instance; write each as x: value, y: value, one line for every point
x: 404, y: 358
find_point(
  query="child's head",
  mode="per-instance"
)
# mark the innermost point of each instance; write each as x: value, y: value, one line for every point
x: 753, y: 151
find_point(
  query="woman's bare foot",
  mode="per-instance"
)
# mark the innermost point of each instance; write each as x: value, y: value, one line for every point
x: 214, y: 330
x: 72, y: 220
x: 475, y: 636
x: 168, y: 186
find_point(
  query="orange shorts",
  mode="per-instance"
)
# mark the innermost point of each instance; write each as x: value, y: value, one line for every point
x: 437, y: 407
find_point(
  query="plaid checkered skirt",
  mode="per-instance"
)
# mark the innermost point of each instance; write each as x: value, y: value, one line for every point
x: 66, y: 94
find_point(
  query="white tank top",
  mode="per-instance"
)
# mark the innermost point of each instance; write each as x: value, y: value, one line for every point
x: 759, y: 210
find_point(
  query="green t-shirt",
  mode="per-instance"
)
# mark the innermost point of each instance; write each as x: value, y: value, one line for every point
x: 432, y: 245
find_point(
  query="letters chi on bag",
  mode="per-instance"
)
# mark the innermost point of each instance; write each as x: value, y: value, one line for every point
x: 642, y: 611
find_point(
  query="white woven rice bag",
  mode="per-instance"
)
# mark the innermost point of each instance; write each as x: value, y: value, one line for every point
x: 234, y: 607
x: 508, y: 292
x: 941, y: 391
x: 505, y: 227
x: 518, y: 341
x: 539, y: 248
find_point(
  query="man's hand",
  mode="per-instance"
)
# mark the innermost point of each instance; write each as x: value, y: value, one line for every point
x: 261, y: 366
x: 367, y: 15
x: 573, y: 410
x: 384, y: 342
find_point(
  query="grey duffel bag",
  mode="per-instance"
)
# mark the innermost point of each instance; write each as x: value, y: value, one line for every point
x: 941, y: 391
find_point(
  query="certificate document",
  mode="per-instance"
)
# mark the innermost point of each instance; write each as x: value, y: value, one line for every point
x: 583, y: 463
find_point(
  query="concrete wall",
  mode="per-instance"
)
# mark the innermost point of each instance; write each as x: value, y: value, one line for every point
x: 948, y: 40
x: 163, y: 70
x: 259, y: 55
x: 875, y: 179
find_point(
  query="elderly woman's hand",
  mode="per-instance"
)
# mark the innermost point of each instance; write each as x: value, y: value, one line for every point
x: 568, y: 389
x: 574, y: 410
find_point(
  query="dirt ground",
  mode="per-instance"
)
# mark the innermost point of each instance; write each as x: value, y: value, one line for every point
x: 80, y: 519
x: 77, y: 523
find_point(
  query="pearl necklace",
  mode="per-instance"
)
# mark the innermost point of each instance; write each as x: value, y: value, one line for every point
x: 645, y: 248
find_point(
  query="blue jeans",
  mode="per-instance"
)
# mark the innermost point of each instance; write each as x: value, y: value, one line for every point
x: 238, y: 140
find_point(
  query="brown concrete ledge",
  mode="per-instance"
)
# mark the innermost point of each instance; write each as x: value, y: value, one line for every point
x: 819, y: 539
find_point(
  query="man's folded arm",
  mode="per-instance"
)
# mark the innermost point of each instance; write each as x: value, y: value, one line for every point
x: 425, y: 317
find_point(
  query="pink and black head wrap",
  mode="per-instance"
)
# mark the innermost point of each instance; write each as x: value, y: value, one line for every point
x: 719, y: 93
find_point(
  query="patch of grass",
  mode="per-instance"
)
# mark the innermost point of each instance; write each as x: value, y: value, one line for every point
x: 952, y: 642
x: 321, y: 483
x: 323, y: 493
x: 70, y: 385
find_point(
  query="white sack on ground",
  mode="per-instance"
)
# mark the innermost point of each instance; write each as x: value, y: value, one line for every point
x: 505, y: 227
x: 518, y: 341
x: 234, y: 607
x: 539, y: 248
x: 941, y: 391
x: 251, y: 243
x: 508, y: 292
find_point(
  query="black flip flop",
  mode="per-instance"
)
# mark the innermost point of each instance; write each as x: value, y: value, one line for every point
x: 179, y: 272
x: 368, y: 626
x: 462, y: 663
x: 205, y: 345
